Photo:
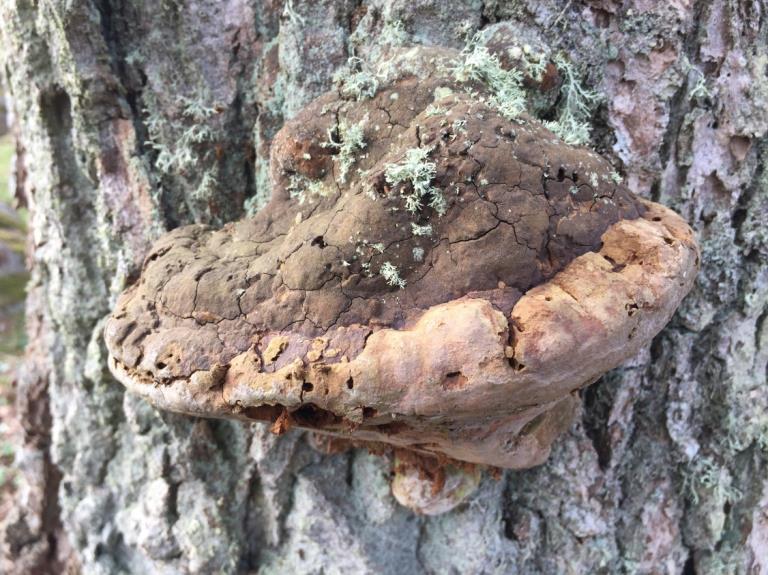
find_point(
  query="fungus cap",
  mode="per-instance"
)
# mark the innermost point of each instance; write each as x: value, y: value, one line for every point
x: 445, y: 285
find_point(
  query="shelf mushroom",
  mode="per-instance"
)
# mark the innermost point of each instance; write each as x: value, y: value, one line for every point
x: 428, y: 275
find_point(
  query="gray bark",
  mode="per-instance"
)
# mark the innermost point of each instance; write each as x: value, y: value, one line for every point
x: 666, y: 471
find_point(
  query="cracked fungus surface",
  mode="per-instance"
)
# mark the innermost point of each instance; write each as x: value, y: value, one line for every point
x: 458, y: 325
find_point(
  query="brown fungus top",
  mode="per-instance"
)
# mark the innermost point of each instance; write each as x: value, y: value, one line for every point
x: 427, y: 274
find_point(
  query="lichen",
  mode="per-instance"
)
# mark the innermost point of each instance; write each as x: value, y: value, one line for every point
x: 477, y: 64
x: 699, y: 89
x: 185, y: 151
x: 534, y: 64
x: 393, y: 33
x: 705, y: 474
x: 458, y: 127
x: 574, y: 112
x: 414, y: 176
x: 391, y: 275
x: 433, y: 110
x: 421, y: 229
x: 305, y: 189
x: 510, y: 96
x: 351, y: 140
x: 356, y: 80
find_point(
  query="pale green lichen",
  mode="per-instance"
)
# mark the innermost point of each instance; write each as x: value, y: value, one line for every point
x: 699, y: 89
x: 459, y: 126
x: 391, y: 275
x: 705, y: 474
x: 393, y: 33
x: 368, y: 189
x: 509, y: 96
x: 290, y: 12
x: 421, y: 230
x: 433, y: 110
x: 209, y: 185
x: 477, y: 64
x: 417, y: 171
x: 356, y: 80
x: 534, y: 64
x: 182, y: 155
x: 442, y: 92
x: 572, y: 124
x: 195, y: 109
x: 304, y: 189
x: 351, y: 141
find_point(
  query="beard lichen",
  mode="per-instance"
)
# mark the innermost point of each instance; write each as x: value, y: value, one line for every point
x: 356, y: 80
x: 417, y: 171
x: 478, y: 64
x: 351, y: 139
x: 572, y: 124
x: 508, y: 92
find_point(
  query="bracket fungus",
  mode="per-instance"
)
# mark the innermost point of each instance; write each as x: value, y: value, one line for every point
x: 428, y: 274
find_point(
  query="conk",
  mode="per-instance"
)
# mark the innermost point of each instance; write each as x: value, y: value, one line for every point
x: 445, y: 284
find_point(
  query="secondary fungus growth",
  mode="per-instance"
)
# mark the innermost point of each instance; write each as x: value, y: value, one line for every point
x: 457, y: 329
x: 432, y: 488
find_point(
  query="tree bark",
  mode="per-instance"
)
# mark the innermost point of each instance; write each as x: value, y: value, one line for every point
x: 665, y: 472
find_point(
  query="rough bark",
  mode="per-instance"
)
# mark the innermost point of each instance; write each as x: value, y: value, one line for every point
x: 665, y: 472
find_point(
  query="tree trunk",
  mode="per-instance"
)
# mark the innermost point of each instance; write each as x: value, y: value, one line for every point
x: 664, y: 473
